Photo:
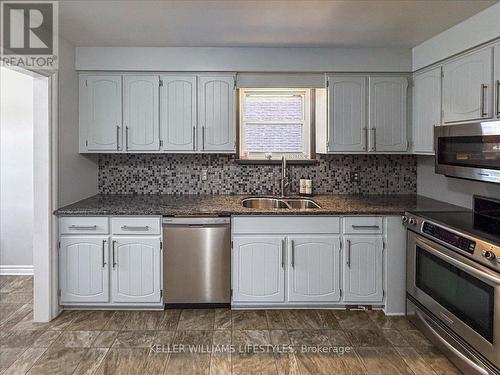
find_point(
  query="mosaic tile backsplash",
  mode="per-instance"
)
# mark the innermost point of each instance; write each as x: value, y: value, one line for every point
x: 182, y: 174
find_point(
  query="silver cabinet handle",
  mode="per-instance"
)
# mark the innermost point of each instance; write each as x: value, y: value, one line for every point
x: 292, y: 244
x: 126, y: 138
x: 194, y: 138
x: 365, y: 227
x: 203, y: 137
x: 483, y: 101
x: 374, y: 138
x: 498, y: 98
x: 349, y: 253
x: 103, y: 250
x: 114, y: 262
x: 117, y: 137
x: 128, y: 227
x: 83, y: 227
x: 283, y: 253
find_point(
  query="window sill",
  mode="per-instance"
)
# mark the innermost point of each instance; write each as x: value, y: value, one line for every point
x: 275, y: 162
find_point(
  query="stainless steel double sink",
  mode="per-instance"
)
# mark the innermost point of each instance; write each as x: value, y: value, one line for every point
x: 265, y: 203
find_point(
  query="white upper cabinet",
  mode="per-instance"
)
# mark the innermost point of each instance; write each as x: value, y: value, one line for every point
x: 388, y: 114
x: 347, y: 113
x: 426, y: 109
x: 178, y: 113
x: 216, y: 113
x: 467, y: 87
x: 141, y: 113
x: 497, y: 80
x: 83, y: 267
x: 313, y: 269
x: 136, y: 266
x: 363, y: 269
x: 258, y: 268
x: 100, y: 111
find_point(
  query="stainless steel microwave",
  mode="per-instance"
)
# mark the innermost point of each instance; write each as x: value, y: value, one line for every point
x: 470, y: 151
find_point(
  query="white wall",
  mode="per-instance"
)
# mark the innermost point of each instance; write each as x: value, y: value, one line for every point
x: 451, y: 190
x: 16, y: 172
x: 480, y: 28
x: 77, y: 173
x: 244, y: 59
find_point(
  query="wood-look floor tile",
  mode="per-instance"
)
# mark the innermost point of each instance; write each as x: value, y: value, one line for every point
x: 328, y: 320
x: 19, y: 284
x: 415, y: 361
x: 7, y: 309
x: 251, y: 337
x: 195, y: 337
x: 220, y: 364
x: 416, y: 339
x: 134, y: 339
x: 275, y: 319
x: 202, y: 319
x: 222, y: 319
x: 302, y: 319
x: 91, y: 361
x: 164, y: 338
x: 352, y: 319
x: 27, y: 323
x: 352, y: 364
x: 105, y: 339
x: 383, y: 361
x: 117, y: 320
x: 395, y: 322
x: 123, y: 362
x: 366, y: 337
x: 58, y: 361
x: 188, y: 363
x: 62, y: 322
x: 142, y: 320
x: 222, y: 337
x: 155, y: 363
x: 438, y: 361
x: 19, y: 339
x: 253, y: 363
x: 308, y: 337
x: 75, y: 339
x: 8, y: 357
x: 337, y: 337
x: 249, y: 319
x: 279, y: 337
x: 316, y: 363
x: 90, y: 321
x: 286, y: 363
x: 16, y: 317
x: 46, y: 339
x: 169, y: 320
x: 25, y: 361
x: 394, y: 337
x: 16, y: 298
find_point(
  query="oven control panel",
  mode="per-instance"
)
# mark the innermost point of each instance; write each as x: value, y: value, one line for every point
x: 449, y: 237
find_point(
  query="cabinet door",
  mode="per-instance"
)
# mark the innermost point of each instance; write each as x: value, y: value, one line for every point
x: 497, y: 80
x: 426, y: 109
x: 313, y: 269
x: 388, y: 116
x: 83, y: 269
x: 363, y: 269
x: 136, y: 266
x: 347, y: 113
x: 100, y: 111
x: 258, y: 269
x: 216, y: 113
x: 141, y: 114
x: 467, y: 87
x: 178, y: 113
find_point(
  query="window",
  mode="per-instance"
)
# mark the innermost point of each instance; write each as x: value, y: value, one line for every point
x: 275, y: 122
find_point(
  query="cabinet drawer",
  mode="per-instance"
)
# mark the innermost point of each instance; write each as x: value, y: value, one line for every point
x: 83, y: 225
x: 363, y: 225
x: 135, y: 225
x: 286, y: 224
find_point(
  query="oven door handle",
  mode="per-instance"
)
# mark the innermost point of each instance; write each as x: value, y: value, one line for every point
x: 454, y: 350
x: 482, y: 274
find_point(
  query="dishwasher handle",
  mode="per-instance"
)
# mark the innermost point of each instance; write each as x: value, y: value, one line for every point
x: 196, y: 221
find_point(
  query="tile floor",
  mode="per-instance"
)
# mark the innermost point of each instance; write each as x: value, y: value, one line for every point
x: 107, y: 342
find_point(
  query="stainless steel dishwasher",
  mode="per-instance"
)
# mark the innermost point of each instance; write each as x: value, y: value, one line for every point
x: 197, y: 261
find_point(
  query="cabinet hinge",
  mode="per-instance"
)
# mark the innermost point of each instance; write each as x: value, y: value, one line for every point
x: 161, y: 245
x: 161, y: 293
x: 59, y: 244
x: 161, y: 143
x: 383, y: 293
x: 85, y: 83
x: 232, y: 245
x: 234, y: 83
x: 86, y: 143
x: 161, y: 82
x: 442, y: 73
x: 231, y: 293
x: 341, y: 292
x: 383, y: 244
x: 327, y: 82
x: 340, y: 244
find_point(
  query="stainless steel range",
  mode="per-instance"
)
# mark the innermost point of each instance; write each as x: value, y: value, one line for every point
x: 453, y: 282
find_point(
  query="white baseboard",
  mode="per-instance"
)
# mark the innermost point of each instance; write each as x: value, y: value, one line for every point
x: 16, y: 270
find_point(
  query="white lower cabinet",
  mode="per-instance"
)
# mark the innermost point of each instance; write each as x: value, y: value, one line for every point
x: 136, y: 269
x: 258, y: 269
x: 84, y: 267
x: 313, y: 269
x: 363, y: 269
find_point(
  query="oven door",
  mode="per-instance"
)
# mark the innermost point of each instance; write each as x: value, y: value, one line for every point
x: 470, y: 151
x: 462, y: 294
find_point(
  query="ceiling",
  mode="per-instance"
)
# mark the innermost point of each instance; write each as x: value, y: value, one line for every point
x: 261, y: 23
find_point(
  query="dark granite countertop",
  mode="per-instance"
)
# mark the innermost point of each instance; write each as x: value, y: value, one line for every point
x: 225, y: 205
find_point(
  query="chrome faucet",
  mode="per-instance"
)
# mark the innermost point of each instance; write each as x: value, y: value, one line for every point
x: 284, y: 178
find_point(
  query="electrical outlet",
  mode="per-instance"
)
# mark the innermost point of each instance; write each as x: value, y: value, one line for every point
x: 204, y: 175
x: 354, y: 176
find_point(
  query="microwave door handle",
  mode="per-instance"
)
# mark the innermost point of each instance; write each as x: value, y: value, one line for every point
x: 454, y: 350
x: 474, y: 271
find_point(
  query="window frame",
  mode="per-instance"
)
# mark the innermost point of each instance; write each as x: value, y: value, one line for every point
x: 307, y: 126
